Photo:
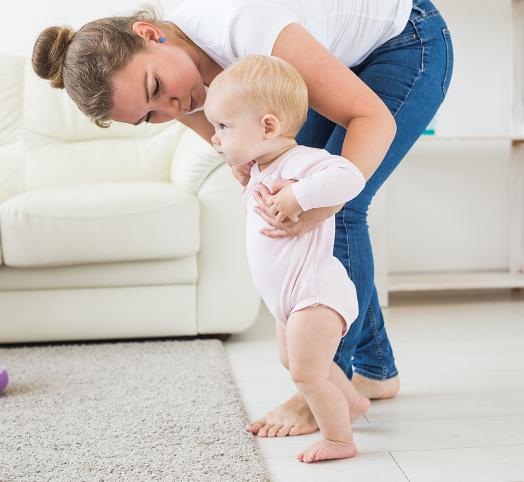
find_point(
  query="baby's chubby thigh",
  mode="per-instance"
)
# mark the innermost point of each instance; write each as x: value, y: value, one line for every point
x: 328, y: 286
x: 312, y: 338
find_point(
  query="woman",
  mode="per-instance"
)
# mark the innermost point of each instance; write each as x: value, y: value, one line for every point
x: 376, y: 74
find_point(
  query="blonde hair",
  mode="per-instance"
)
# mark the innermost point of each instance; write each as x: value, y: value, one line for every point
x: 84, y: 62
x: 270, y: 83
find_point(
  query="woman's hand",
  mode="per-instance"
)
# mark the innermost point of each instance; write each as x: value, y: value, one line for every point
x: 307, y: 221
x: 243, y: 173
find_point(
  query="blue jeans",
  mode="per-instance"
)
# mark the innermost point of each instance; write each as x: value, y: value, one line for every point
x: 411, y: 74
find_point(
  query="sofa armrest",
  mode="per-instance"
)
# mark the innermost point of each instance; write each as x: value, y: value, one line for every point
x: 193, y: 161
x: 227, y: 300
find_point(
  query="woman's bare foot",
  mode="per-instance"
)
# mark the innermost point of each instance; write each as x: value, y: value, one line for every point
x: 293, y: 417
x: 358, y: 408
x: 326, y: 449
x: 376, y: 389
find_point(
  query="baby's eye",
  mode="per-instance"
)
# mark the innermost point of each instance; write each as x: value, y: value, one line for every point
x: 221, y: 126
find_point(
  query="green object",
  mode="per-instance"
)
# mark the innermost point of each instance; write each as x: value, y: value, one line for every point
x: 430, y: 129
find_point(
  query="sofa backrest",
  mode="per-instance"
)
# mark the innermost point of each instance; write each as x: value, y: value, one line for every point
x: 11, y: 156
x: 60, y: 146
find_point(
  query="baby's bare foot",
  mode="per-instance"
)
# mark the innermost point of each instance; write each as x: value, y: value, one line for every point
x: 293, y: 417
x: 327, y: 449
x: 376, y: 389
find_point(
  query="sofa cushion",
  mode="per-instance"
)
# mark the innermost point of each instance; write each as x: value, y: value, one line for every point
x: 180, y: 271
x: 193, y: 161
x: 64, y: 147
x: 11, y: 92
x: 50, y: 113
x: 99, y: 223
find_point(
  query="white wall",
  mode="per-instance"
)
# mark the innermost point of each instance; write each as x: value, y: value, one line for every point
x: 479, y: 100
x: 448, y: 206
x: 23, y: 20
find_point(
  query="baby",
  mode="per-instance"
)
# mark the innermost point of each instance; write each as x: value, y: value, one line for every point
x: 257, y: 106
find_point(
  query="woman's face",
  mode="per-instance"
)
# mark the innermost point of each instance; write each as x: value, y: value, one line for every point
x: 159, y: 84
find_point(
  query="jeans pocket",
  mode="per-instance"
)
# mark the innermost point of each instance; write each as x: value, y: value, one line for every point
x: 449, y: 61
x: 406, y: 39
x: 399, y: 41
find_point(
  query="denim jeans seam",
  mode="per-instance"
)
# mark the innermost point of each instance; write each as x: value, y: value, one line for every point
x: 341, y: 344
x: 367, y: 374
x: 424, y: 16
x: 447, y: 76
x: 347, y: 244
x: 420, y: 72
x: 396, y: 42
x: 373, y: 376
x: 378, y: 350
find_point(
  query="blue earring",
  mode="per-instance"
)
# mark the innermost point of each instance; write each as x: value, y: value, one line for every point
x: 162, y: 40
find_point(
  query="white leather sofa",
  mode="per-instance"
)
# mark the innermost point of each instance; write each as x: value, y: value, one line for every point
x: 126, y: 232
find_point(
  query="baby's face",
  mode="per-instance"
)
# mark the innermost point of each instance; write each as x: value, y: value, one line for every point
x: 239, y: 132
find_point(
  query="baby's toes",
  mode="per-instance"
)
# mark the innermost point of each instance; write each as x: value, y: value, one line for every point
x: 311, y: 455
x: 305, y: 456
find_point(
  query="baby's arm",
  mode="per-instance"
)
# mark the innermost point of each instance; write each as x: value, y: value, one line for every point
x: 330, y: 182
x: 334, y: 182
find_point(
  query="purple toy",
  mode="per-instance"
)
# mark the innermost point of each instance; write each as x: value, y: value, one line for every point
x: 4, y: 379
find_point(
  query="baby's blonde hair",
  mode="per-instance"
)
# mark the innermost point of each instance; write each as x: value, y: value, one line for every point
x: 271, y: 84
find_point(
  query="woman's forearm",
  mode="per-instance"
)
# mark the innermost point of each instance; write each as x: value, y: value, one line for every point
x: 367, y: 141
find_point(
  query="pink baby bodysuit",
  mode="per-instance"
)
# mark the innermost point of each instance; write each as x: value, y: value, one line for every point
x: 294, y: 273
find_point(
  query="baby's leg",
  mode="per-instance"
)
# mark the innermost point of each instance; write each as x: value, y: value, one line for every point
x: 282, y: 422
x: 312, y: 338
x: 282, y: 343
x: 358, y: 404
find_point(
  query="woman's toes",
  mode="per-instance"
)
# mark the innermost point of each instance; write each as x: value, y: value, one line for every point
x: 284, y: 431
x: 302, y: 429
x: 254, y: 427
x: 272, y: 432
x: 263, y: 431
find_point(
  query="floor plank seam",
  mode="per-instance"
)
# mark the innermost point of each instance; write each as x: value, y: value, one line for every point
x: 416, y: 420
x: 458, y: 448
x: 398, y: 465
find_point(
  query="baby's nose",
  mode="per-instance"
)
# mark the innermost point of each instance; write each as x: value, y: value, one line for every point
x: 215, y: 140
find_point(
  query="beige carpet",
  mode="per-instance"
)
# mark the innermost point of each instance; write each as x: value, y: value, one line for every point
x: 166, y: 410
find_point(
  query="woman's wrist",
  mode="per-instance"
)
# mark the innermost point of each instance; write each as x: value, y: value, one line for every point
x: 321, y: 213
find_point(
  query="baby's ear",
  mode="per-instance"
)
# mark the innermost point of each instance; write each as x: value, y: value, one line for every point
x: 271, y: 126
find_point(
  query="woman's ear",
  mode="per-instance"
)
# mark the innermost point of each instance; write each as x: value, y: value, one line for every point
x: 271, y: 126
x: 147, y: 30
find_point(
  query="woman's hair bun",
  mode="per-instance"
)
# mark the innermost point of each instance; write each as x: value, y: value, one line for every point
x: 49, y: 54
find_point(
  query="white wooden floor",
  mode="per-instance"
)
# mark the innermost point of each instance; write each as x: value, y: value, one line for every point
x: 460, y: 412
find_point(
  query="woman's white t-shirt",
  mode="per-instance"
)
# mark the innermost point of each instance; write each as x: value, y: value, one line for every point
x: 350, y: 29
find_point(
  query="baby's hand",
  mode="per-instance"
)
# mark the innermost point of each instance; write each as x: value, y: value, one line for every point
x: 285, y: 205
